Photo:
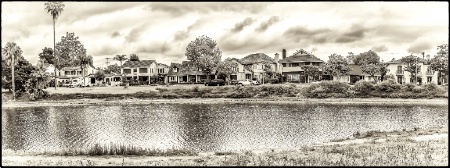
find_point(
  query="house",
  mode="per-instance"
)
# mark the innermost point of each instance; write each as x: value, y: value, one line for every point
x: 253, y: 65
x: 357, y: 74
x: 292, y: 66
x: 141, y: 70
x: 172, y: 75
x: 239, y: 70
x: 424, y: 74
x: 66, y: 74
x: 163, y: 70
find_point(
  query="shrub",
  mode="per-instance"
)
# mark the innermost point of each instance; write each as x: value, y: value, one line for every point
x: 417, y: 89
x: 334, y: 87
x: 363, y: 87
x: 388, y: 86
x: 431, y: 87
x: 327, y: 89
x: 408, y: 87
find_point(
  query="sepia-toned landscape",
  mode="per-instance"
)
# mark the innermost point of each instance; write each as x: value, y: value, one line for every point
x: 224, y: 84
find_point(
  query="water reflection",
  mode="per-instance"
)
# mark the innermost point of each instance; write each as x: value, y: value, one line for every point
x: 204, y: 127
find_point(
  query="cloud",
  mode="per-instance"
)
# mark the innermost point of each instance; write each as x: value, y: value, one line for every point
x: 265, y: 25
x: 135, y: 33
x: 178, y: 9
x: 156, y: 47
x: 300, y: 33
x: 380, y: 48
x: 357, y: 32
x: 420, y: 46
x: 241, y: 25
x: 105, y: 50
x: 115, y: 34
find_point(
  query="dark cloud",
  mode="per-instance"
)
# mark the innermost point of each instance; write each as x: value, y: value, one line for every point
x: 241, y: 25
x: 183, y: 34
x: 115, y: 34
x: 178, y: 9
x: 399, y: 33
x: 355, y: 33
x: 420, y: 46
x: 380, y: 48
x: 135, y: 33
x: 159, y: 48
x: 300, y: 33
x: 266, y: 24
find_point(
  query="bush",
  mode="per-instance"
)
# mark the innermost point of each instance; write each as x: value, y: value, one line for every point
x: 327, y: 89
x: 431, y: 87
x: 408, y: 87
x: 417, y: 89
x: 363, y: 88
x: 388, y: 86
x: 334, y: 87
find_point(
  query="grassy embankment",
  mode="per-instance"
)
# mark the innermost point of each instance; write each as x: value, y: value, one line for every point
x: 329, y: 89
x: 397, y: 148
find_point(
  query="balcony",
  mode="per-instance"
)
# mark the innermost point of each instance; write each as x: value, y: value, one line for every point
x: 429, y: 73
x: 399, y: 72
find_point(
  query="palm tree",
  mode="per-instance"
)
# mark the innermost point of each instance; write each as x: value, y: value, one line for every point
x: 10, y: 51
x: 55, y: 9
x: 84, y: 61
x: 120, y: 58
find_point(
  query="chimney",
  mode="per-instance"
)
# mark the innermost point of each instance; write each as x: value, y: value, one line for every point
x: 277, y: 57
x: 284, y: 54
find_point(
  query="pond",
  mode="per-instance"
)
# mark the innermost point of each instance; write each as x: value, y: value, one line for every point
x: 205, y: 127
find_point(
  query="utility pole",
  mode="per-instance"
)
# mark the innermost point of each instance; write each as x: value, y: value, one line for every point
x: 416, y: 69
x: 12, y: 70
x: 107, y: 61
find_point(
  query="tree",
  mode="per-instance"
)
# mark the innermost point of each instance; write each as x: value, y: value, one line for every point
x: 112, y: 69
x: 227, y: 67
x: 205, y: 54
x: 133, y: 57
x: 55, y: 9
x: 47, y: 56
x: 99, y: 75
x: 383, y: 70
x: 350, y: 57
x: 369, y: 62
x: 311, y: 70
x: 83, y: 61
x: 37, y: 82
x: 15, y: 72
x: 440, y: 61
x: 412, y: 65
x: 369, y: 57
x: 67, y: 52
x: 337, y: 66
x: 121, y: 58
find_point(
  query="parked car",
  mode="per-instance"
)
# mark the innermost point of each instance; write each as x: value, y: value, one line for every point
x: 255, y: 83
x: 234, y: 82
x: 215, y: 82
x: 66, y: 84
x: 118, y: 83
x: 245, y: 82
x: 317, y: 82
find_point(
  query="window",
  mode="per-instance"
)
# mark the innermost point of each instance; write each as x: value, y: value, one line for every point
x: 284, y: 64
x: 429, y: 79
x: 295, y: 64
x: 134, y: 70
x: 175, y: 69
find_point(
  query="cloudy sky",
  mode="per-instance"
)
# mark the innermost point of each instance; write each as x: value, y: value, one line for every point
x: 161, y: 30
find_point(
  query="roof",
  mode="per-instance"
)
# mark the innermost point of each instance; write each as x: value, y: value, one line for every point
x: 301, y: 56
x: 357, y: 70
x: 136, y: 64
x: 161, y: 64
x: 256, y: 58
x: 398, y: 61
x: 173, y: 65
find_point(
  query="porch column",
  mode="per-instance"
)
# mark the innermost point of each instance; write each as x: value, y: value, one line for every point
x: 196, y: 79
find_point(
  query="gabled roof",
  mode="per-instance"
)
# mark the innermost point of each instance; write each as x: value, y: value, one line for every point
x: 174, y: 65
x: 398, y: 61
x: 161, y: 64
x: 136, y: 64
x: 256, y: 58
x: 301, y: 56
x: 237, y: 60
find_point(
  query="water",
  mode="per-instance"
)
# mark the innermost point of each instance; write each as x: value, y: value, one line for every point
x: 205, y: 127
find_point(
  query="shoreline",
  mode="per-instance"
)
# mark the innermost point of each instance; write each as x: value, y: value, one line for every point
x: 275, y: 100
x: 367, y: 149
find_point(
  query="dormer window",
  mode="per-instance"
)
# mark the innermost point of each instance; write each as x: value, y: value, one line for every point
x: 175, y: 69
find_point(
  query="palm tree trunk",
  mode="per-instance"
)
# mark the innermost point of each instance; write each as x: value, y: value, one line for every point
x: 13, y: 83
x: 54, y: 50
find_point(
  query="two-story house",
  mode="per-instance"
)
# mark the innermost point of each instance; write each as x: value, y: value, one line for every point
x: 163, y: 70
x: 253, y: 65
x: 424, y: 74
x: 292, y: 66
x: 141, y: 70
x: 172, y: 75
x: 68, y: 73
x: 238, y: 70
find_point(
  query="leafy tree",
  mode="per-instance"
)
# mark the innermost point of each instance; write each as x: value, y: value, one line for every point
x: 311, y: 70
x: 227, y: 67
x: 440, y: 61
x: 121, y: 58
x: 350, y: 57
x: 112, y: 69
x: 20, y: 67
x: 369, y: 62
x: 337, y: 66
x: 55, y: 9
x: 412, y: 64
x: 68, y: 51
x: 133, y: 57
x: 268, y: 70
x: 99, y: 75
x: 47, y: 56
x: 205, y: 54
x: 383, y: 70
